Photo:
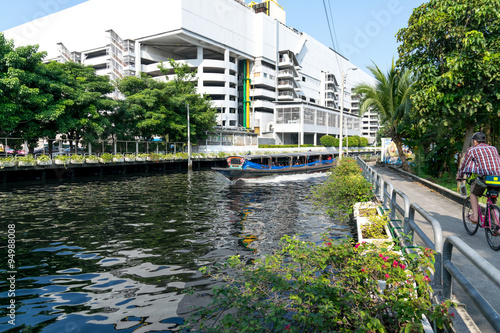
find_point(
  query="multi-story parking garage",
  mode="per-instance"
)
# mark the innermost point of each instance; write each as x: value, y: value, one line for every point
x: 262, y: 75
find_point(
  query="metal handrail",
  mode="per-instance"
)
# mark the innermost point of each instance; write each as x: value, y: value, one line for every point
x: 445, y: 269
x: 452, y: 272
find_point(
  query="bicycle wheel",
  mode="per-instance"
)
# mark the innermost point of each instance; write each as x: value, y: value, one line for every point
x: 493, y: 241
x: 470, y: 227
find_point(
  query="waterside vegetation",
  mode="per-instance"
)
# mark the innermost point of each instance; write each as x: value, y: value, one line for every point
x: 335, y: 286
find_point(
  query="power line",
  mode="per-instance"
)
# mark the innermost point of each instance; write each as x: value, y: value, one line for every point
x: 329, y: 27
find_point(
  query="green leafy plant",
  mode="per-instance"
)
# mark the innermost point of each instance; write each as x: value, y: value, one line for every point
x: 7, y: 161
x: 77, y: 158
x: 344, y: 187
x: 336, y: 286
x: 130, y: 156
x: 107, y: 157
x: 43, y: 158
x: 64, y: 159
x: 26, y: 159
x: 329, y: 141
x: 92, y: 158
x: 377, y: 226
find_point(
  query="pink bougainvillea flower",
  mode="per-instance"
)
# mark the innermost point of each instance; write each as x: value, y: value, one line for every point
x: 402, y: 266
x: 363, y: 270
x: 381, y: 255
x: 386, y: 276
x: 394, y: 263
x: 356, y: 246
x: 426, y: 279
x: 385, y: 258
x: 452, y: 314
x: 384, y: 266
x: 287, y: 327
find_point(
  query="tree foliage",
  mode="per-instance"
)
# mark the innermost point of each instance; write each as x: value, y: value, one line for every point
x: 160, y: 108
x: 39, y: 100
x: 390, y: 98
x: 453, y: 49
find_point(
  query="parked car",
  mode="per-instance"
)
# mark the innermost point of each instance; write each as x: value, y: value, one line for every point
x: 10, y: 151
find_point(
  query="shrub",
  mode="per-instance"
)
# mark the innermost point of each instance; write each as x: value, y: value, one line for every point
x: 332, y: 287
x: 344, y: 187
x: 329, y: 141
x: 363, y: 142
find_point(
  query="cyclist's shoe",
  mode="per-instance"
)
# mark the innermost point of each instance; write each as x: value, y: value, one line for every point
x: 469, y: 217
x: 495, y: 230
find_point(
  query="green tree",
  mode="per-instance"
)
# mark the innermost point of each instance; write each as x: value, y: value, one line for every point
x: 26, y: 93
x: 160, y: 108
x: 183, y: 91
x: 453, y: 48
x: 85, y: 95
x: 390, y: 98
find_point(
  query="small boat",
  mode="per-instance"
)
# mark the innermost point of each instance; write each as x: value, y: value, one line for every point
x: 254, y: 166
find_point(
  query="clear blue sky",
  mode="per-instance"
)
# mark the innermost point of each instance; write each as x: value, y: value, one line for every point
x: 364, y: 29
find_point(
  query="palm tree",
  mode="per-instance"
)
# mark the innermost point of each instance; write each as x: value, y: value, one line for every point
x: 390, y: 98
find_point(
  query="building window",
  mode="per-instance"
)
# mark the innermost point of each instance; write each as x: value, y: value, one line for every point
x: 309, y: 116
x: 232, y: 123
x: 287, y: 115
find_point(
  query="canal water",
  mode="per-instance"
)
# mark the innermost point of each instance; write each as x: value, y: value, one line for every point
x: 115, y: 254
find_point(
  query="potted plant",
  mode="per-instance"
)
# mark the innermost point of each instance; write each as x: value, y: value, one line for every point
x: 62, y: 159
x: 129, y: 158
x: 28, y: 160
x: 141, y: 157
x: 43, y: 160
x: 118, y: 158
x: 92, y: 159
x: 372, y: 224
x: 106, y: 158
x: 7, y: 162
x: 77, y: 159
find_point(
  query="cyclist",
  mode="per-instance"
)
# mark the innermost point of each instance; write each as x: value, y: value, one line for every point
x: 482, y: 160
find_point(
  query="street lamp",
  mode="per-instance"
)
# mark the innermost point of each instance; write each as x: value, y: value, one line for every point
x: 344, y: 75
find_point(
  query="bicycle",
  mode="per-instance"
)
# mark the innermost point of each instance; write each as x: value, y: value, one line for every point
x: 488, y: 217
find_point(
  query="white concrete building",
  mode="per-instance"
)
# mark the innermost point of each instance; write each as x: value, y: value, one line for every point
x: 261, y: 74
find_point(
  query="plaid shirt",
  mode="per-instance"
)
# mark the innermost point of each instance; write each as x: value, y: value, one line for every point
x: 482, y: 160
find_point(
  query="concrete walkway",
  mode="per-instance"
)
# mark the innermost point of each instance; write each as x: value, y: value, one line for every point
x: 449, y: 214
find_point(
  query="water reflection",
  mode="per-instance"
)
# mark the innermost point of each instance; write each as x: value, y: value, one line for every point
x: 113, y: 254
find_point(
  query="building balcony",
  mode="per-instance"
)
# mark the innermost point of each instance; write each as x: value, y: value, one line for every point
x: 285, y: 96
x: 263, y: 93
x: 262, y: 104
x: 330, y: 88
x: 285, y: 74
x: 285, y: 84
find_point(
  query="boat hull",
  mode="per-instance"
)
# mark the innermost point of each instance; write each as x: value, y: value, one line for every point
x: 234, y: 174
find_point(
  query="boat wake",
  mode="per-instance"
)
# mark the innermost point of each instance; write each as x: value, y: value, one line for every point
x: 284, y: 178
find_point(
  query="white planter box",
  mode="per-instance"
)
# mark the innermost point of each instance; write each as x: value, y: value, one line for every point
x: 89, y: 161
x: 128, y: 159
x: 44, y: 162
x: 118, y: 159
x: 140, y: 159
x: 60, y: 162
x: 76, y: 162
x: 26, y: 164
x: 362, y: 221
x: 8, y: 164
